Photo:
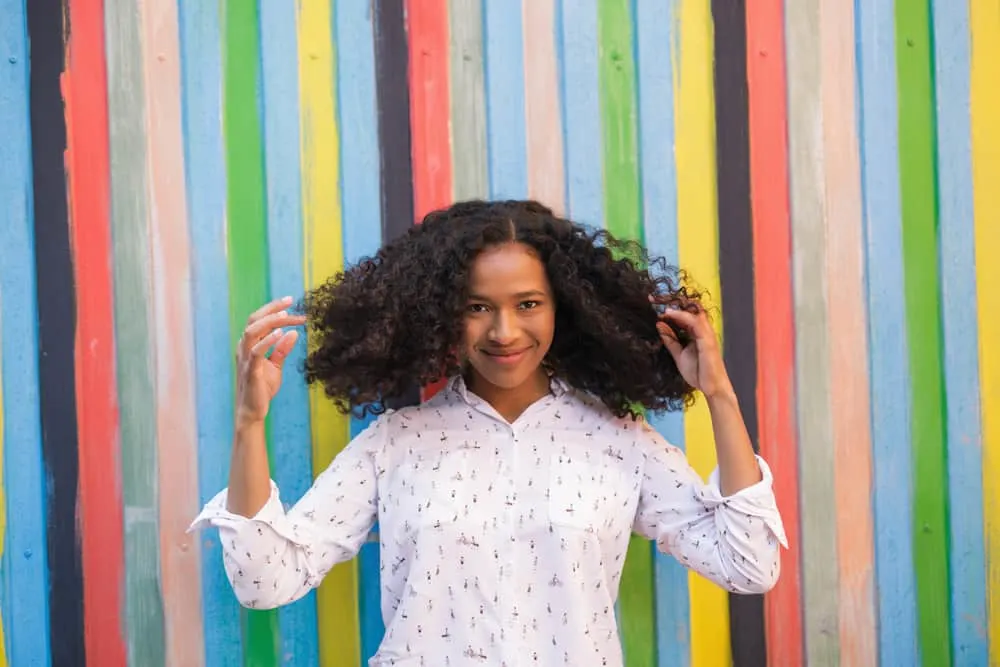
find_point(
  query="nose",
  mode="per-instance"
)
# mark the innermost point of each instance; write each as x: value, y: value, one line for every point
x: 503, y: 330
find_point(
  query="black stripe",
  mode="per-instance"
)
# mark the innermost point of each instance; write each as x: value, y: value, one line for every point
x: 56, y: 324
x: 392, y: 87
x: 746, y: 612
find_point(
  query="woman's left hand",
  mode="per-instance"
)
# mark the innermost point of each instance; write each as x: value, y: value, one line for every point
x: 700, y: 360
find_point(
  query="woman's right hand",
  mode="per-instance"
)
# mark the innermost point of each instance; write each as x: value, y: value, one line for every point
x: 258, y: 375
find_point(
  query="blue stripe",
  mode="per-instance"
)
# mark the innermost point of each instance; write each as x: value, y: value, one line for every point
x: 201, y: 72
x: 24, y: 581
x: 506, y: 125
x: 655, y: 40
x: 360, y: 188
x: 970, y: 645
x: 289, y: 417
x: 577, y: 35
x: 893, y: 507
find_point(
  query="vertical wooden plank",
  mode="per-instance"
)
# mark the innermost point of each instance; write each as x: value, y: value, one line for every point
x: 812, y: 333
x: 289, y: 416
x: 957, y: 251
x: 848, y: 371
x: 918, y: 187
x: 656, y: 48
x: 736, y: 269
x: 356, y: 101
x: 3, y: 518
x: 177, y: 478
x: 581, y: 113
x: 503, y: 61
x: 24, y: 575
x: 323, y: 247
x: 247, y: 231
x: 205, y: 175
x: 887, y: 357
x: 100, y: 504
x: 56, y: 316
x: 546, y: 177
x: 697, y: 231
x: 468, y: 109
x: 623, y: 218
x: 767, y: 107
x: 984, y: 20
x: 134, y: 332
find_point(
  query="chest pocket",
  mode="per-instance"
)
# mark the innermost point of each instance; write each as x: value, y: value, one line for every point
x: 428, y: 489
x: 585, y: 494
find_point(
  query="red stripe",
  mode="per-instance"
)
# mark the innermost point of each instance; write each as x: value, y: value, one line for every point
x: 774, y: 308
x: 100, y: 502
x: 430, y: 108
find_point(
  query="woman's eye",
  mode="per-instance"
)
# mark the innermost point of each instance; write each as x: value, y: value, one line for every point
x: 476, y: 308
x: 528, y: 305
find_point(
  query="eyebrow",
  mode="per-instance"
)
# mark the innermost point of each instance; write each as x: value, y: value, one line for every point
x: 519, y: 295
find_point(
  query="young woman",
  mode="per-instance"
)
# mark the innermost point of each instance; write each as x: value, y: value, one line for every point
x: 506, y: 502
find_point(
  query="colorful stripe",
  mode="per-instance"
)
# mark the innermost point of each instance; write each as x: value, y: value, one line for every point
x: 888, y: 358
x: 956, y: 237
x: 468, y: 109
x: 503, y: 63
x: 918, y: 189
x: 697, y: 232
x: 984, y: 18
x: 546, y: 177
x: 88, y: 173
x: 205, y: 184
x: 24, y: 573
x: 773, y: 306
x: 656, y: 42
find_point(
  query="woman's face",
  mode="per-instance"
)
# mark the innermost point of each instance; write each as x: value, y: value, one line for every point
x: 510, y: 316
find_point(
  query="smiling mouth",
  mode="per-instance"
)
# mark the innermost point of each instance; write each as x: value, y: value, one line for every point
x: 506, y: 356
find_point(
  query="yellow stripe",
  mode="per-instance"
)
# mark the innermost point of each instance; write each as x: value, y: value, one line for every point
x: 697, y: 231
x: 339, y: 628
x: 3, y: 519
x: 984, y: 18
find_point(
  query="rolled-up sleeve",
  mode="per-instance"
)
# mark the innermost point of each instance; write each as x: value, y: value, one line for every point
x: 276, y: 557
x: 731, y: 540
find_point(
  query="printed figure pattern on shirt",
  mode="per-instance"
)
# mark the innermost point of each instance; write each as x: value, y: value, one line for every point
x: 502, y: 544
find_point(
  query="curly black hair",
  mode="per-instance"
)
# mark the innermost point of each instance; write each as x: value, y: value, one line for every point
x: 396, y: 319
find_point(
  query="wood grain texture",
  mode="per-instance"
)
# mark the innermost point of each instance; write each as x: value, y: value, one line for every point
x: 918, y: 187
x: 698, y: 244
x: 24, y: 574
x: 468, y: 103
x: 812, y: 332
x: 362, y: 232
x: 323, y: 247
x: 289, y: 414
x: 767, y: 112
x: 88, y: 179
x: 845, y: 279
x: 656, y: 49
x: 581, y: 113
x: 546, y: 176
x: 504, y: 65
x: 959, y: 320
x: 246, y: 234
x: 205, y: 184
x: 887, y: 355
x: 984, y: 19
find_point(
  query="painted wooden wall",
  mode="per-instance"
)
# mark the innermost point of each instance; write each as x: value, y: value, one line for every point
x: 830, y: 171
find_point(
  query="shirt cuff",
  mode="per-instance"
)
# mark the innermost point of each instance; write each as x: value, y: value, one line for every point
x: 215, y: 513
x: 756, y: 500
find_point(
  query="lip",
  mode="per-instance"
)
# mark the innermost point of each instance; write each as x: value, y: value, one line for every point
x: 505, y: 358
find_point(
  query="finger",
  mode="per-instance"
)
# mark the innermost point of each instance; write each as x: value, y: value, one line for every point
x: 265, y: 343
x: 283, y: 347
x: 268, y: 308
x: 669, y: 339
x: 262, y: 327
x: 696, y: 324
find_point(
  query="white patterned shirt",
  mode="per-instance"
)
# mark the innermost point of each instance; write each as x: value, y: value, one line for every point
x: 502, y: 544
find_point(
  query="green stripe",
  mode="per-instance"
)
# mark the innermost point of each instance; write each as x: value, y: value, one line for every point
x: 133, y: 335
x: 247, y: 234
x: 623, y: 218
x: 918, y: 184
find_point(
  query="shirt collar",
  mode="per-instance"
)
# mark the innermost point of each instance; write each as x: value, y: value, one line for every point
x: 457, y: 385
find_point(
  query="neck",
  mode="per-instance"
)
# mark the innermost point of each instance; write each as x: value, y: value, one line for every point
x: 509, y: 402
